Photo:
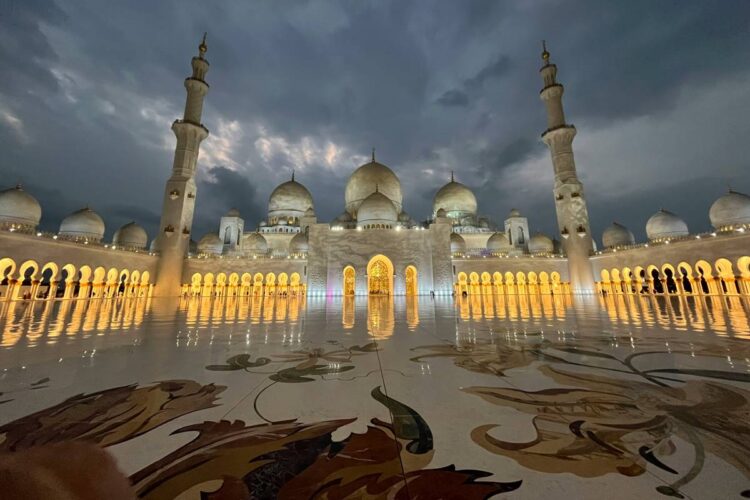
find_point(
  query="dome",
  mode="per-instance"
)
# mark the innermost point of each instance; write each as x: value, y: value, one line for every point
x: 19, y: 207
x: 290, y: 199
x: 514, y: 213
x: 456, y: 199
x: 377, y: 209
x: 404, y: 217
x: 345, y: 217
x: 617, y: 235
x: 310, y: 212
x: 665, y: 224
x: 366, y: 180
x: 233, y: 212
x: 730, y: 209
x: 440, y: 213
x: 154, y: 246
x: 82, y: 224
x: 210, y: 244
x: 498, y: 242
x: 254, y: 243
x: 131, y: 235
x: 458, y: 244
x: 541, y: 243
x: 299, y: 243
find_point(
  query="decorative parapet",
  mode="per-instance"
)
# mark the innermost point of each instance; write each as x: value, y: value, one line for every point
x: 84, y: 242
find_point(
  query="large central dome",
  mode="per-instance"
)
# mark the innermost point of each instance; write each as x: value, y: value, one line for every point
x: 290, y: 199
x: 367, y: 179
x: 456, y: 199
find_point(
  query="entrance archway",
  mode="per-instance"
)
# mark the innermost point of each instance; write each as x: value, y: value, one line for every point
x: 411, y: 280
x: 380, y: 276
x: 349, y: 280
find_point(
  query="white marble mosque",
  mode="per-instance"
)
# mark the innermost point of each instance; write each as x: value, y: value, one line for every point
x: 374, y: 246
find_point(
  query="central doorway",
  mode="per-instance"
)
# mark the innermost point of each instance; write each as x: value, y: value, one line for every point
x: 380, y: 276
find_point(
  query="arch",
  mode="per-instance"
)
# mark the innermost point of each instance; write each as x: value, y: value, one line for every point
x: 497, y: 278
x: 462, y: 278
x: 520, y: 278
x: 258, y: 279
x: 743, y: 266
x: 294, y: 279
x: 100, y: 274
x: 52, y: 266
x: 270, y: 279
x: 246, y: 279
x: 195, y: 280
x: 283, y: 279
x: 23, y: 271
x: 380, y: 275
x: 145, y: 276
x: 543, y: 278
x: 7, y: 267
x: 208, y: 279
x: 410, y: 276
x: 349, y: 280
x: 726, y: 276
x: 509, y: 278
x: 605, y: 276
x: 135, y: 277
x: 486, y: 278
x: 474, y: 278
x: 221, y: 279
x: 670, y: 282
x: 234, y: 279
x: 533, y: 278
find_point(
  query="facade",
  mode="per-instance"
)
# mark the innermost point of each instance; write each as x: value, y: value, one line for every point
x: 374, y: 247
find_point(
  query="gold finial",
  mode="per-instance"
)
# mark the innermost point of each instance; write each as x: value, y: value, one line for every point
x: 545, y: 54
x: 202, y: 48
x: 373, y: 155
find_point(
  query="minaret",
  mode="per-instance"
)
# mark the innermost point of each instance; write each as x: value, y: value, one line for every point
x: 179, y: 194
x: 570, y: 202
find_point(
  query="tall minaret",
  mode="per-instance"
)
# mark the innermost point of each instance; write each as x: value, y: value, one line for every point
x: 179, y: 194
x: 570, y: 202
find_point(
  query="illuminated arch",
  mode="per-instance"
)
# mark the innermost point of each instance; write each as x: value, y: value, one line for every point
x: 380, y: 275
x: 411, y: 277
x: 349, y: 280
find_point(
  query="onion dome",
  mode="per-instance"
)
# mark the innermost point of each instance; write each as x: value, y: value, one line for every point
x: 541, y: 243
x: 83, y: 224
x: 377, y: 209
x: 233, y: 212
x: 254, y: 243
x: 17, y: 207
x: 131, y: 235
x: 458, y: 244
x: 456, y: 199
x: 665, y: 224
x: 367, y: 179
x: 617, y: 235
x: 210, y: 244
x: 498, y: 243
x: 299, y: 243
x: 731, y: 209
x: 290, y: 199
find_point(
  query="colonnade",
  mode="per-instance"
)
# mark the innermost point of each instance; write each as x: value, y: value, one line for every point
x: 509, y: 283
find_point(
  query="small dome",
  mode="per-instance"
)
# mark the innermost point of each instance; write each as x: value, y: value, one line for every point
x: 154, y: 246
x: 367, y: 179
x: 82, y: 224
x: 254, y: 243
x: 290, y: 199
x: 498, y: 243
x: 299, y: 243
x: 19, y: 207
x: 441, y: 213
x: 730, y: 209
x: 192, y: 246
x: 541, y: 243
x: 233, y: 212
x: 456, y: 199
x: 514, y: 213
x: 130, y: 235
x: 617, y: 235
x: 665, y: 224
x: 404, y: 217
x: 458, y: 244
x: 345, y: 217
x: 310, y: 212
x: 210, y: 244
x: 377, y: 209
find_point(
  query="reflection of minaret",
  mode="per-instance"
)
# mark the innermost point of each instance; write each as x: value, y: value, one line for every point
x: 179, y: 195
x: 570, y: 203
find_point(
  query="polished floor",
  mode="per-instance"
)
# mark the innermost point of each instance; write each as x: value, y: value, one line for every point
x: 485, y: 396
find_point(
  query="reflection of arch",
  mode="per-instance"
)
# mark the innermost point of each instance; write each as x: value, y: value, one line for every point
x: 411, y: 280
x: 380, y: 276
x: 349, y: 280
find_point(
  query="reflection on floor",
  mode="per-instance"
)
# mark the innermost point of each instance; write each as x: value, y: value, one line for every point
x: 346, y: 397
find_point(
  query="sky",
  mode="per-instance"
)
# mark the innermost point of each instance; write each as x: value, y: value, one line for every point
x: 658, y: 91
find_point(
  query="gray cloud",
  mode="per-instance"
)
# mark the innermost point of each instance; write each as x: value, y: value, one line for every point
x: 435, y: 86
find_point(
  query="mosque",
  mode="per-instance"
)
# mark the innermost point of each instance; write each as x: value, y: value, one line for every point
x: 374, y: 247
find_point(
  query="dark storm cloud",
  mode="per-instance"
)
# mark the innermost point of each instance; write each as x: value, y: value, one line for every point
x: 92, y: 87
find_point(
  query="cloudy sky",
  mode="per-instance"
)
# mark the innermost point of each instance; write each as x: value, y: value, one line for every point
x: 658, y: 90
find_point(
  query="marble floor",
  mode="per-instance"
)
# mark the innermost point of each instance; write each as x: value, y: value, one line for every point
x: 486, y: 396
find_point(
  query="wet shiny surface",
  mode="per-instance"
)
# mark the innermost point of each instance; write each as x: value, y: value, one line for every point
x: 646, y: 396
